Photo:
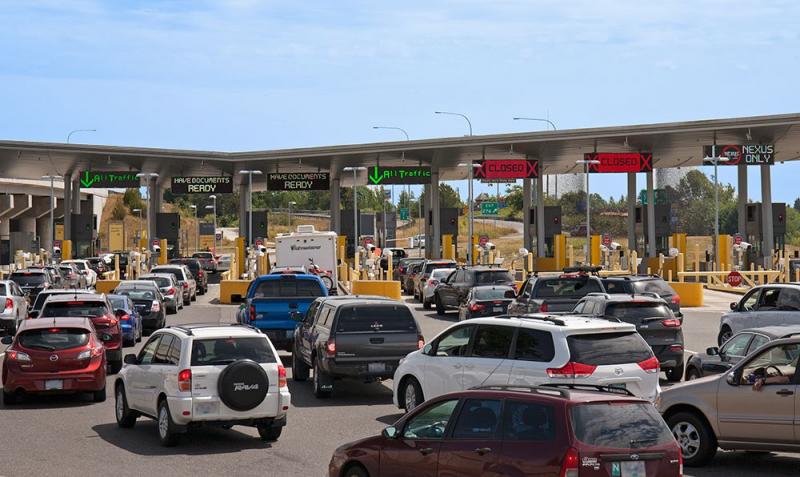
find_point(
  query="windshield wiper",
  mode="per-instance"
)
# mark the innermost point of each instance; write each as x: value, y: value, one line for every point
x: 41, y: 346
x: 221, y: 361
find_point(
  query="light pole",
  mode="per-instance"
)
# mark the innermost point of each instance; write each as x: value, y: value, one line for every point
x: 408, y: 187
x: 715, y: 160
x: 393, y: 128
x: 147, y: 176
x: 77, y: 131
x: 249, y: 173
x: 197, y: 226
x: 214, y: 208
x: 291, y: 203
x: 470, y: 213
x: 469, y: 123
x: 554, y: 129
x: 138, y: 232
x: 586, y: 163
x: 52, y: 178
x: 355, y: 170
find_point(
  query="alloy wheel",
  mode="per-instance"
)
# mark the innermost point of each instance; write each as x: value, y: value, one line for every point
x: 688, y: 438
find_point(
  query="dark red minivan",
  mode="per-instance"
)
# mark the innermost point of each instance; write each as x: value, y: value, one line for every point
x: 54, y: 356
x: 546, y: 431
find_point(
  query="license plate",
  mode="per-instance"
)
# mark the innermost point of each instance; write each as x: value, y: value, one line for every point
x: 619, y: 386
x: 633, y: 469
x: 206, y: 408
x: 497, y: 309
x: 53, y: 384
x: 376, y: 367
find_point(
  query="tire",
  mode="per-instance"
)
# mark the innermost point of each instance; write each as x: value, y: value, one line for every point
x: 166, y: 428
x: 724, y: 335
x: 410, y: 394
x: 243, y: 385
x: 269, y: 433
x: 692, y: 373
x: 99, y: 396
x: 114, y: 367
x: 439, y: 307
x: 126, y: 418
x: 426, y: 304
x: 319, y: 393
x: 299, y: 368
x: 355, y: 470
x: 697, y: 441
x: 9, y: 399
x: 194, y: 297
x: 675, y: 374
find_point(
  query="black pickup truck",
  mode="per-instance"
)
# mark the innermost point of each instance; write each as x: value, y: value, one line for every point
x: 554, y: 294
x: 360, y: 337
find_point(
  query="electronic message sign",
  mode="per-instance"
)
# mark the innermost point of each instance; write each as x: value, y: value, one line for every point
x: 610, y: 162
x: 108, y: 180
x: 506, y: 169
x: 202, y: 185
x: 748, y: 154
x: 285, y: 181
x: 378, y: 175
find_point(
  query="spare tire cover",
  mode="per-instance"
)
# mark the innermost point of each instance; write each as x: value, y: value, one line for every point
x: 243, y: 385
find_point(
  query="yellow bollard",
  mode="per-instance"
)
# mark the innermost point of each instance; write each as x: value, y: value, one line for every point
x: 447, y: 246
x: 680, y: 266
x: 116, y: 267
x: 162, y: 257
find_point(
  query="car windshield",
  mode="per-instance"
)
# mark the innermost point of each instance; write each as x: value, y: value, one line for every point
x: 80, y: 265
x: 601, y: 349
x: 565, y: 287
x: 495, y: 276
x: 619, y: 425
x: 288, y: 286
x: 118, y: 302
x: 27, y: 279
x: 493, y: 293
x: 220, y: 351
x: 137, y: 294
x: 375, y: 318
x: 74, y: 308
x: 193, y: 265
x: 53, y: 339
x: 637, y: 312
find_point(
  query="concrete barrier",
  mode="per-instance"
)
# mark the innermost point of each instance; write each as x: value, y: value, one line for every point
x: 387, y: 288
x: 691, y: 293
x: 233, y: 291
x: 105, y: 286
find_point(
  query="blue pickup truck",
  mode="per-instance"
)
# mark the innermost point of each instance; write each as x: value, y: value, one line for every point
x: 272, y: 301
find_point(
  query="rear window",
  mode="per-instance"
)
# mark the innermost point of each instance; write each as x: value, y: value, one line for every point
x: 619, y: 425
x: 3, y: 289
x: 176, y: 272
x: 53, y: 339
x: 74, y: 308
x: 79, y: 265
x: 636, y: 312
x: 137, y: 294
x: 494, y: 293
x: 377, y: 318
x: 659, y: 287
x: 191, y: 264
x: 210, y: 352
x: 27, y: 279
x: 601, y: 349
x: 41, y: 298
x: 118, y: 302
x: 288, y: 287
x: 495, y: 276
x: 160, y: 281
x: 565, y: 287
x: 433, y: 266
x: 202, y: 255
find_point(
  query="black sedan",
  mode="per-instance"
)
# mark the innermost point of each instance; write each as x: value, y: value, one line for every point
x: 487, y: 300
x: 148, y: 301
x: 719, y: 360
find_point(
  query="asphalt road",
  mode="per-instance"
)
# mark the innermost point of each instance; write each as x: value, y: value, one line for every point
x: 73, y: 436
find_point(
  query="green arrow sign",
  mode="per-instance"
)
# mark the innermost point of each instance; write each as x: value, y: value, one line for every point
x: 108, y: 180
x: 399, y: 175
x: 489, y: 208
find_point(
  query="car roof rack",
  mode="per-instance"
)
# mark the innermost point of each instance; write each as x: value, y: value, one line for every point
x: 583, y: 269
x: 535, y: 316
x: 523, y: 388
x: 590, y: 387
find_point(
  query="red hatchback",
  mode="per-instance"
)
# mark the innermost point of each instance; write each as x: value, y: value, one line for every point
x: 563, y: 431
x: 53, y: 356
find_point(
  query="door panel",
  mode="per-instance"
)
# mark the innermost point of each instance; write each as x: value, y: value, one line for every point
x: 443, y: 371
x: 488, y: 362
x: 473, y: 446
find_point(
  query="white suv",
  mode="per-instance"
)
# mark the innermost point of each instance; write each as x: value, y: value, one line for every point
x: 528, y: 350
x: 186, y: 376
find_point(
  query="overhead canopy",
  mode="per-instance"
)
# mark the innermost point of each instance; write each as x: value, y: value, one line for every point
x: 672, y: 145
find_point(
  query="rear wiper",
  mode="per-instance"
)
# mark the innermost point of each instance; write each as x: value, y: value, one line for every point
x: 634, y: 442
x: 44, y: 347
x: 221, y: 361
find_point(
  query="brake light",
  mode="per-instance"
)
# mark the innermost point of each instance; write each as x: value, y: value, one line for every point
x: 569, y: 465
x: 252, y: 313
x: 477, y: 307
x: 676, y: 299
x: 281, y: 376
x: 112, y: 320
x: 9, y: 303
x: 185, y: 285
x: 420, y: 341
x: 156, y: 307
x: 671, y: 323
x: 651, y: 365
x: 432, y: 282
x: 543, y: 307
x: 93, y: 352
x: 18, y: 356
x: 330, y: 348
x: 572, y: 370
x: 125, y: 317
x: 676, y: 348
x: 171, y: 291
x: 200, y: 273
x: 185, y: 380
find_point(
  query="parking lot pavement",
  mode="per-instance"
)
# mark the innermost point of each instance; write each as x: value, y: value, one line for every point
x: 75, y: 436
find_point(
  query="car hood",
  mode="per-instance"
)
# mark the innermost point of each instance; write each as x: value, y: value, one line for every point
x: 689, y: 391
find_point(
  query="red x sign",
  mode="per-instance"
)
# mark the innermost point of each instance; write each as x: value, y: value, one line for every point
x: 507, y: 169
x: 620, y: 161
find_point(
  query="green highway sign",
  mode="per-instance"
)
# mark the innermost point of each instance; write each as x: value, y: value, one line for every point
x: 660, y: 196
x: 399, y: 175
x: 404, y: 214
x: 489, y: 208
x: 109, y: 180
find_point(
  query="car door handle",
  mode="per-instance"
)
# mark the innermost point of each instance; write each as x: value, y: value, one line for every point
x: 483, y: 450
x: 426, y: 450
x: 784, y: 392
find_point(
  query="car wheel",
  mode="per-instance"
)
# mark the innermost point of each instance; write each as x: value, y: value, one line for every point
x: 114, y: 367
x: 696, y: 440
x: 724, y: 335
x: 318, y: 391
x: 166, y: 428
x: 355, y: 470
x: 411, y: 394
x: 426, y: 304
x: 675, y: 374
x: 125, y: 416
x: 9, y: 399
x: 439, y: 306
x: 692, y: 373
x: 299, y: 368
x: 194, y: 297
x: 99, y: 396
x: 269, y: 433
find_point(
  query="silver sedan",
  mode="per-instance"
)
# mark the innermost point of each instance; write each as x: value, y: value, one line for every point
x: 13, y: 306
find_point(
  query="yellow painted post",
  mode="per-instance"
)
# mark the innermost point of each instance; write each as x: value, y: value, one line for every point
x: 162, y: 257
x: 570, y: 255
x: 390, y: 270
x: 723, y: 251
x: 680, y: 267
x: 530, y: 264
x: 669, y: 275
x: 66, y: 249
x: 559, y: 250
x: 474, y: 248
x: 447, y: 246
x: 594, y: 257
x: 116, y: 267
x: 240, y: 260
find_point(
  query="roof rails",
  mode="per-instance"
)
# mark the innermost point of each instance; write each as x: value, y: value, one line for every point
x: 602, y: 294
x: 562, y: 389
x: 523, y: 389
x: 590, y: 387
x: 583, y: 269
x: 534, y: 316
x: 193, y: 326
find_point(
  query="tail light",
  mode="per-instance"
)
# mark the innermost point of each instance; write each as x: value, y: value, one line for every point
x: 112, y: 320
x: 651, y: 365
x: 252, y: 313
x: 676, y: 348
x: 573, y: 370
x: 185, y: 380
x: 543, y: 307
x: 281, y: 376
x: 171, y: 291
x: 676, y: 299
x: 9, y: 303
x: 477, y: 307
x: 125, y: 317
x: 92, y: 352
x: 156, y: 307
x: 569, y: 465
x: 420, y: 342
x: 200, y: 273
x: 671, y: 323
x: 18, y: 356
x: 432, y: 282
x: 330, y: 348
x: 185, y: 285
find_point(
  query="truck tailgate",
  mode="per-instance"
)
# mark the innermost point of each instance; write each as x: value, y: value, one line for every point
x: 374, y: 346
x: 276, y: 313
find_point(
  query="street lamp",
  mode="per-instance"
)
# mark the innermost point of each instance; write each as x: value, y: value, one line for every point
x: 291, y: 203
x: 197, y: 225
x: 77, y: 131
x: 355, y: 170
x: 469, y: 123
x: 139, y: 235
x: 408, y: 186
x: 586, y: 163
x: 470, y: 214
x: 393, y: 128
x: 716, y: 160
x: 250, y: 173
x: 214, y: 208
x: 545, y: 120
x: 52, y: 178
x: 147, y: 176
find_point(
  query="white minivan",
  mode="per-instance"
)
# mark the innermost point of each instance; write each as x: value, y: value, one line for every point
x: 528, y: 350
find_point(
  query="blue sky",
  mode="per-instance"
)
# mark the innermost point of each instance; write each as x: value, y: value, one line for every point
x: 247, y: 74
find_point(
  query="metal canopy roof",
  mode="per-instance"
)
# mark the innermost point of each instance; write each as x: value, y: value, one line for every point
x: 672, y: 144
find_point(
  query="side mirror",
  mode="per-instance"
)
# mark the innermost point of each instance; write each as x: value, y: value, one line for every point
x: 734, y: 306
x: 7, y: 340
x: 297, y: 316
x: 730, y: 378
x: 426, y: 350
x: 390, y: 432
x: 130, y: 359
x: 713, y: 351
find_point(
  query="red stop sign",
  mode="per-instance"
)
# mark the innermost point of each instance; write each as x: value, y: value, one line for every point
x: 737, y: 239
x: 483, y: 240
x: 734, y: 279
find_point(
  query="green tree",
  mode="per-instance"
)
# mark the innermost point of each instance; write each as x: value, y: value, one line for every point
x: 119, y: 212
x: 448, y: 197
